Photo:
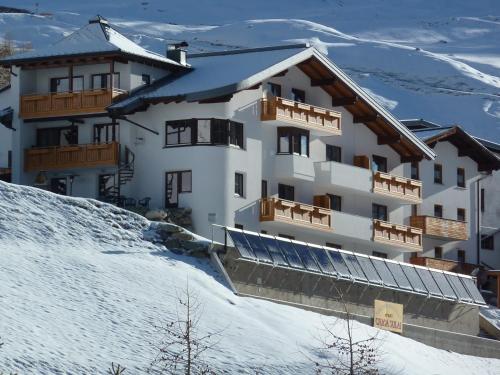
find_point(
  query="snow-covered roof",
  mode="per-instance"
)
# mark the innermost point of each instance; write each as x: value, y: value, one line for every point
x: 97, y: 37
x: 224, y: 73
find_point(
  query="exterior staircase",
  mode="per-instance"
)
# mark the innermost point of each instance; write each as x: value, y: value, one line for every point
x: 124, y: 174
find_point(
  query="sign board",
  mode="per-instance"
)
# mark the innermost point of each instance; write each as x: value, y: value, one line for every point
x: 388, y: 316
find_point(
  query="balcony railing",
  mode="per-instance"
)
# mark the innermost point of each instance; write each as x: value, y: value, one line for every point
x: 67, y: 103
x: 444, y: 264
x: 305, y: 115
x: 439, y: 227
x: 65, y: 157
x: 275, y: 209
x: 397, y: 235
x: 395, y: 186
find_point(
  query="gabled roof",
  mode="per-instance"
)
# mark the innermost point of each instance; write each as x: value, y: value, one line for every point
x: 466, y: 144
x: 219, y: 75
x: 96, y: 38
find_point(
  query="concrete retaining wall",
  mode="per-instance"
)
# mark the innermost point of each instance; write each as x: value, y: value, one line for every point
x: 442, y: 324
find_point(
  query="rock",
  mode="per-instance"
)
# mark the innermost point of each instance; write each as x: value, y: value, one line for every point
x: 183, y: 236
x: 156, y: 215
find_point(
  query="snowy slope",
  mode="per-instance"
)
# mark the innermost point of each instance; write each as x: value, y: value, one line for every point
x: 80, y: 287
x: 439, y: 60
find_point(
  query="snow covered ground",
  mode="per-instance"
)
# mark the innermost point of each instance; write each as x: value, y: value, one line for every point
x: 439, y: 60
x: 80, y: 287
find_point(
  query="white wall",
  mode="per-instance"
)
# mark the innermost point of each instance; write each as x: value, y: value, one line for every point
x: 490, y: 218
x: 451, y: 197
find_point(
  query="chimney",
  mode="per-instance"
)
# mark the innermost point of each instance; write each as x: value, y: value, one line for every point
x: 177, y: 52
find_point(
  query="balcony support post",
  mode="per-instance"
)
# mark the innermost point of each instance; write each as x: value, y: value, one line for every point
x: 70, y: 75
x: 111, y: 75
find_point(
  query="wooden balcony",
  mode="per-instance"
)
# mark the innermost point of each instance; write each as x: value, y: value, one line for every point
x: 397, y: 235
x: 300, y: 114
x: 441, y: 228
x: 67, y: 103
x: 444, y: 265
x: 395, y: 186
x: 275, y: 209
x: 66, y: 157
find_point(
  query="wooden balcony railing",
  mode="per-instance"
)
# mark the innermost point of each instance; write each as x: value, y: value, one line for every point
x: 395, y: 186
x: 444, y: 265
x: 275, y: 209
x: 439, y: 227
x: 397, y: 235
x: 77, y: 156
x: 67, y: 103
x: 295, y: 113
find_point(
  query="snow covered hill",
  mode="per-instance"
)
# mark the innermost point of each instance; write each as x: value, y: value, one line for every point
x: 80, y: 286
x: 439, y: 60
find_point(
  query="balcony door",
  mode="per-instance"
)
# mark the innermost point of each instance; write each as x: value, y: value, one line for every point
x: 59, y: 186
x: 286, y: 192
x: 58, y: 85
x: 63, y: 136
x: 102, y: 81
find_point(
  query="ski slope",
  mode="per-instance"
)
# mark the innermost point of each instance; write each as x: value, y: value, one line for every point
x: 80, y: 287
x: 436, y: 60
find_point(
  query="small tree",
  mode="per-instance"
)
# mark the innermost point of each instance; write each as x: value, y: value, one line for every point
x: 116, y: 369
x: 342, y: 353
x: 182, y: 347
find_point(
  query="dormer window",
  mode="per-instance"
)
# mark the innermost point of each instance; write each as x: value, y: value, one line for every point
x: 146, y: 79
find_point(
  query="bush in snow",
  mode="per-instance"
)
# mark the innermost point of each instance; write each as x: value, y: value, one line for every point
x: 116, y: 369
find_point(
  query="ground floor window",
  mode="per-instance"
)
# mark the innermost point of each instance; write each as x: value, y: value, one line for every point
x: 176, y: 183
x: 487, y: 242
x: 438, y: 252
x: 106, y: 185
x: 333, y: 245
x: 59, y: 185
x: 379, y: 254
x: 461, y: 256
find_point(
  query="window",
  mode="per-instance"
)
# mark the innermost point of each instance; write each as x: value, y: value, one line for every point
x: 438, y: 210
x: 461, y: 177
x: 299, y: 95
x: 238, y: 226
x: 146, y: 79
x: 438, y: 174
x: 461, y: 214
x: 415, y: 172
x: 333, y: 245
x: 414, y: 210
x: 438, y: 252
x: 333, y: 153
x: 57, y: 136
x: 105, y: 133
x: 461, y: 256
x: 379, y: 254
x: 287, y: 236
x: 177, y: 183
x: 293, y: 141
x: 379, y: 164
x: 59, y: 186
x: 487, y: 242
x: 482, y: 199
x: 335, y: 202
x: 274, y: 89
x: 286, y: 192
x: 101, y: 81
x: 106, y: 185
x: 379, y: 212
x: 63, y: 84
x: 238, y: 184
x: 180, y: 132
x: 9, y: 159
x: 204, y: 132
x: 263, y: 231
x: 263, y: 189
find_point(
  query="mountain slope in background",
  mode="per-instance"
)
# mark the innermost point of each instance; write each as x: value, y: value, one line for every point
x: 80, y: 287
x: 436, y: 60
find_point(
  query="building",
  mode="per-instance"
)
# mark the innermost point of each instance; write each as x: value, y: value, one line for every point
x: 276, y: 140
x: 453, y: 214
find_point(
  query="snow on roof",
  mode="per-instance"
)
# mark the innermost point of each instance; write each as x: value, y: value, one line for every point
x: 217, y: 74
x: 223, y: 73
x: 96, y: 37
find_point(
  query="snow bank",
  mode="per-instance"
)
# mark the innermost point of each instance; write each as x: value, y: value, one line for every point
x: 80, y: 287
